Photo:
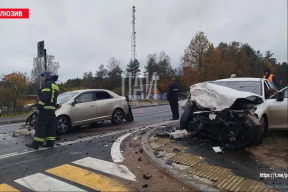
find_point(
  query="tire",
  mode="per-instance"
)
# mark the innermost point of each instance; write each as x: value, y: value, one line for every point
x: 63, y: 125
x: 117, y: 117
x: 185, y: 119
x: 259, y: 133
x: 32, y: 120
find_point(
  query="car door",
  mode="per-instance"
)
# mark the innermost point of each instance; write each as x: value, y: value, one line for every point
x: 104, y: 104
x: 277, y: 112
x: 84, y: 109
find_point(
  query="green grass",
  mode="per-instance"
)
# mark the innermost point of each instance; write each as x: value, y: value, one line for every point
x: 17, y: 115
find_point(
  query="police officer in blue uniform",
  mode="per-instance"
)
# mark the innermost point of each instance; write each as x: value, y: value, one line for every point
x: 172, y: 97
x: 45, y: 128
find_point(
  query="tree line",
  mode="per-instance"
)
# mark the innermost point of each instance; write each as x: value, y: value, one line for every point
x: 201, y: 61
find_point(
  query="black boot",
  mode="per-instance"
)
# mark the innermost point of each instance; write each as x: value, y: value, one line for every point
x: 32, y: 145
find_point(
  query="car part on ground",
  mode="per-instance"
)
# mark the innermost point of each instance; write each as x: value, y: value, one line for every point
x: 224, y: 114
x: 129, y: 116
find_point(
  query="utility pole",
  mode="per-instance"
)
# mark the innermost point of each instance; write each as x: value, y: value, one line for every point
x: 42, y: 53
x: 133, y: 40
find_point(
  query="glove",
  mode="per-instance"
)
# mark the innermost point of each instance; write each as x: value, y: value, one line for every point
x: 38, y: 112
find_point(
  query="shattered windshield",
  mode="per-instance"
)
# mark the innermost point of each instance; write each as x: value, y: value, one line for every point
x: 248, y: 86
x: 63, y: 98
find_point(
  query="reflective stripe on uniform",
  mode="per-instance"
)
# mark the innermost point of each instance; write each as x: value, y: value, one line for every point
x: 49, y: 107
x: 41, y: 103
x: 50, y: 138
x: 45, y: 89
x: 54, y: 87
x: 38, y: 139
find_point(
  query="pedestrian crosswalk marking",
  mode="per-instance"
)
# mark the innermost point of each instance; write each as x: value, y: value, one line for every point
x: 41, y: 182
x: 107, y: 167
x: 5, y: 187
x: 86, y: 178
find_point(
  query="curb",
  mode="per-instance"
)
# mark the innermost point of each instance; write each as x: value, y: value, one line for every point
x: 147, y: 106
x: 158, y: 162
x: 13, y: 121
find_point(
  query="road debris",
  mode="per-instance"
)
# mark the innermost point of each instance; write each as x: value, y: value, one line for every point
x: 217, y: 149
x: 168, y: 162
x: 25, y: 132
x: 179, y: 134
x: 147, y: 176
x: 140, y: 159
x: 161, y: 154
x: 175, y: 150
x: 145, y: 185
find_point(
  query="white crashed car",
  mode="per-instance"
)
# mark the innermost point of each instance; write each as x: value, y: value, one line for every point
x: 236, y: 111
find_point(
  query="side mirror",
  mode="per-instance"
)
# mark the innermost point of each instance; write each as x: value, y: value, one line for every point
x: 74, y: 102
x: 280, y: 96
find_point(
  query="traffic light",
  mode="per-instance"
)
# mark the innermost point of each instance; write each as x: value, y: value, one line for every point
x: 40, y: 49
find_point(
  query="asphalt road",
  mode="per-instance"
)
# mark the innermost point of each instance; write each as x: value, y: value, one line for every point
x: 18, y: 164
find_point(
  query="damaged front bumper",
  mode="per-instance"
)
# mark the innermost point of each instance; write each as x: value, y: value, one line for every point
x: 224, y: 114
x: 234, y: 129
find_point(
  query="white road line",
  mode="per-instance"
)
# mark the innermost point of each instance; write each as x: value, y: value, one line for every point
x: 65, y: 143
x: 115, y: 150
x: 8, y: 155
x: 107, y: 167
x: 41, y: 182
x: 151, y: 113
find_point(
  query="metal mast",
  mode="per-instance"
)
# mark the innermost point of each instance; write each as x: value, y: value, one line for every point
x: 133, y: 36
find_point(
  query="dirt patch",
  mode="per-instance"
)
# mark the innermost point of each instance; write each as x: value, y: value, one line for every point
x: 160, y: 181
x: 273, y: 151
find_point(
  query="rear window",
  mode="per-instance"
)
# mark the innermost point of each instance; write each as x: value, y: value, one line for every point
x: 100, y: 95
x: 247, y: 86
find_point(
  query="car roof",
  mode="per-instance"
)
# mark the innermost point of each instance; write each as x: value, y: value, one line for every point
x: 84, y: 90
x: 240, y: 79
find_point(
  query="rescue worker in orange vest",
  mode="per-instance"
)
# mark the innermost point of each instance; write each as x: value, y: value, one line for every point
x: 270, y: 77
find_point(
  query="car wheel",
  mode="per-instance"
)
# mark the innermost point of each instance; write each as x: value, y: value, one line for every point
x: 259, y: 133
x: 32, y: 120
x: 63, y: 125
x: 117, y: 117
x: 185, y: 119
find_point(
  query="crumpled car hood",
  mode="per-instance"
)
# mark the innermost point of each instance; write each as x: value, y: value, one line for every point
x: 218, y: 98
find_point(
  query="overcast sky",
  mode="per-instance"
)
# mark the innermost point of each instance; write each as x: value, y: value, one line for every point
x: 84, y: 34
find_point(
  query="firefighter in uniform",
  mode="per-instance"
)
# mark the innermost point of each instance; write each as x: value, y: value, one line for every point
x: 270, y: 77
x: 45, y: 128
x: 172, y: 97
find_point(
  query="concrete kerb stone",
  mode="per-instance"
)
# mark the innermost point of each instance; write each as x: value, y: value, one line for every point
x: 12, y: 122
x: 158, y: 162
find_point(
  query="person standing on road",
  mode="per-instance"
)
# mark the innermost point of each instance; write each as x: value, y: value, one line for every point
x: 46, y: 119
x: 269, y: 76
x: 172, y: 97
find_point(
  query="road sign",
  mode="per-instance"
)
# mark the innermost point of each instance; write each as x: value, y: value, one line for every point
x: 40, y: 47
